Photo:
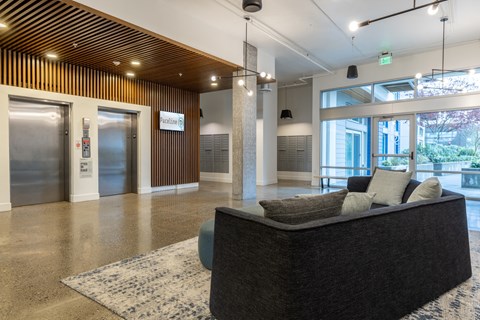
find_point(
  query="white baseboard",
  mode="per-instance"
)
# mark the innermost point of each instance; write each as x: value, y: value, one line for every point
x: 84, y: 197
x: 144, y: 190
x: 175, y: 187
x: 215, y: 177
x: 290, y: 175
x: 7, y: 206
x: 267, y: 182
x: 163, y: 188
x: 187, y: 185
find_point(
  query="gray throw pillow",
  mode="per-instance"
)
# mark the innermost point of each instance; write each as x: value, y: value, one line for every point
x: 301, y: 210
x: 428, y: 189
x: 389, y: 186
x: 255, y: 210
x: 356, y: 202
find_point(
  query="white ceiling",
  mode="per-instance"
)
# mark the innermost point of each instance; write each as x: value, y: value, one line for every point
x: 317, y: 28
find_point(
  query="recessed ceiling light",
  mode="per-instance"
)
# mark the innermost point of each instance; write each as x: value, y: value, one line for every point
x: 2, y: 25
x: 116, y: 63
x: 52, y: 56
x: 130, y: 74
x: 135, y: 63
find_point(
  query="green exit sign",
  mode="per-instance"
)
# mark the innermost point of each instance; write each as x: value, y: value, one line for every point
x: 383, y: 60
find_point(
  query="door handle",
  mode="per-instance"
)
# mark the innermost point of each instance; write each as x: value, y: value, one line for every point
x: 411, y: 155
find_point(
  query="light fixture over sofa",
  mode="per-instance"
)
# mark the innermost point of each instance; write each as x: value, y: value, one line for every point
x: 252, y: 5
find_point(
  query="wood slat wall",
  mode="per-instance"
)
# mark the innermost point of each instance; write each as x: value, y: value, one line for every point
x: 175, y: 155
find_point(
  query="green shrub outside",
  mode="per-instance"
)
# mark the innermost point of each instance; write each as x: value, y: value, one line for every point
x: 437, y: 153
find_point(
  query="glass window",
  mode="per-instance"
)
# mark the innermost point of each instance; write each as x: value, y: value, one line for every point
x: 438, y: 84
x: 346, y: 148
x: 450, y: 149
x: 394, y: 90
x: 347, y: 97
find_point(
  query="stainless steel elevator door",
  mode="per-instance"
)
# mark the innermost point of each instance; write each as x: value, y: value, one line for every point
x: 117, y: 152
x: 38, y: 152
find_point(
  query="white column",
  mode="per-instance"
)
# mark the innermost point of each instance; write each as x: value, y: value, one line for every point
x: 244, y: 132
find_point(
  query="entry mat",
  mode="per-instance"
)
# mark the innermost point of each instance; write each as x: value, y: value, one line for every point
x: 170, y: 283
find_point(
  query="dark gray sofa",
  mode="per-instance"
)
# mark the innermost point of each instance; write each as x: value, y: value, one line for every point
x: 380, y: 264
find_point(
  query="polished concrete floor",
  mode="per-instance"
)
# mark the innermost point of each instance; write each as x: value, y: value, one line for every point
x: 42, y: 244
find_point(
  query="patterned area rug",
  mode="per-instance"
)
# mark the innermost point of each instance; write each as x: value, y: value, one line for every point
x: 170, y: 283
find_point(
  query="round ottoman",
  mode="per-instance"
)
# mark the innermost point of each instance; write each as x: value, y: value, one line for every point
x: 205, y: 243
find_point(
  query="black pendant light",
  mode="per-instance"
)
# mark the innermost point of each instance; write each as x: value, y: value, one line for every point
x: 286, y: 113
x: 352, y: 72
x: 201, y: 113
x: 252, y: 5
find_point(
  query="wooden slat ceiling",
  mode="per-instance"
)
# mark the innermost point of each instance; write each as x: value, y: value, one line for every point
x: 41, y: 26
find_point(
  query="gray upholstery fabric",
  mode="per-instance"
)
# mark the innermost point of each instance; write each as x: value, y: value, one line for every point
x: 255, y: 210
x: 389, y: 186
x: 304, y: 209
x: 357, y: 202
x: 431, y: 188
x: 377, y: 265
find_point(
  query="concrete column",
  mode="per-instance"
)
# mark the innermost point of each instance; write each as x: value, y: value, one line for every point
x: 244, y: 132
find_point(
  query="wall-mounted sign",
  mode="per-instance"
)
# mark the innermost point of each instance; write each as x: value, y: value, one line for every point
x: 85, y: 168
x: 172, y: 121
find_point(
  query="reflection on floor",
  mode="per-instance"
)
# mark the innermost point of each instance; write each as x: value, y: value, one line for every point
x: 42, y: 244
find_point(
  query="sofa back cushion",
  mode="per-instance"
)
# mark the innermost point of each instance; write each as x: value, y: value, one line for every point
x: 305, y: 209
x: 389, y: 186
x: 356, y: 202
x: 428, y: 189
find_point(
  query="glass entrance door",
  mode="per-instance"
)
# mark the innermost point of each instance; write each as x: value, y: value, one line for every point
x: 393, y: 143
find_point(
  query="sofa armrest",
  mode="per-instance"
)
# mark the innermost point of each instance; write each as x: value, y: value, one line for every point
x: 358, y: 183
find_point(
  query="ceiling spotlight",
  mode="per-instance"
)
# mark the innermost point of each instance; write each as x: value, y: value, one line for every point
x: 252, y: 5
x: 471, y: 72
x: 213, y: 78
x: 2, y: 25
x: 418, y: 76
x: 135, y: 63
x: 263, y: 74
x: 250, y: 93
x: 130, y: 74
x: 269, y: 76
x: 353, y: 26
x: 433, y: 9
x: 52, y: 56
x: 241, y: 82
x: 116, y: 63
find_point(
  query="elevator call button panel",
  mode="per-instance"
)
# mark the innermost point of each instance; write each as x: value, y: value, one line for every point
x: 86, y: 147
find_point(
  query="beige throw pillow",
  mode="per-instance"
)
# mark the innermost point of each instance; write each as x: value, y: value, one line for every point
x: 304, y: 209
x: 389, y: 186
x: 356, y: 202
x: 428, y: 189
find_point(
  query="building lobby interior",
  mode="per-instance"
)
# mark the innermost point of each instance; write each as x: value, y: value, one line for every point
x: 126, y: 124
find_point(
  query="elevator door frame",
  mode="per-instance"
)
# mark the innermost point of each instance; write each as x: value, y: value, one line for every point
x: 66, y: 108
x: 133, y: 149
